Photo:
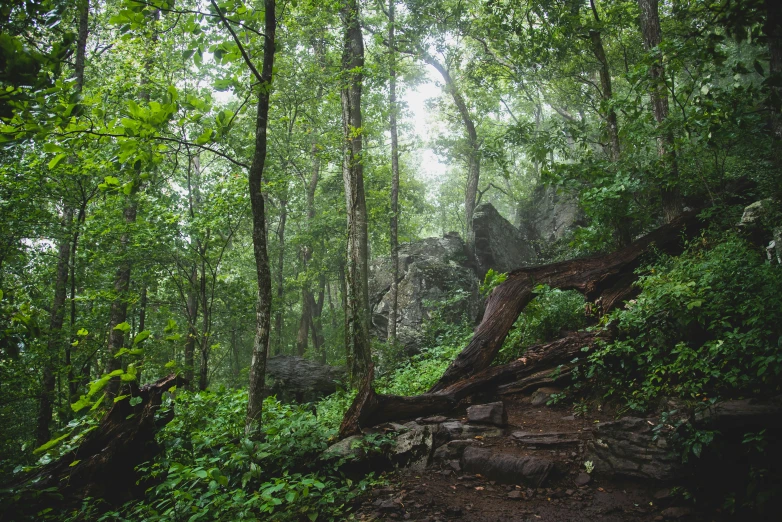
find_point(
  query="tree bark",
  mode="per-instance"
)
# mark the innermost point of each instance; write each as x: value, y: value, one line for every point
x: 394, y: 228
x: 473, y: 159
x: 104, y: 464
x: 263, y: 312
x: 56, y: 319
x: 205, y: 322
x: 606, y: 88
x: 118, y: 313
x: 357, y: 327
x: 652, y: 37
x: 304, y: 323
x: 280, y: 277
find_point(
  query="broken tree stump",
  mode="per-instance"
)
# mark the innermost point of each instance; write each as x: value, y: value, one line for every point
x: 103, y: 466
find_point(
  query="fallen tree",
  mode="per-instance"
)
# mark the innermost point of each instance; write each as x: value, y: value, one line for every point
x: 605, y: 280
x: 104, y: 464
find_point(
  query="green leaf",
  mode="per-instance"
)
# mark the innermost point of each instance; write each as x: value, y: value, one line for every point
x: 52, y: 147
x: 123, y: 327
x: 134, y: 401
x: 57, y: 159
x: 205, y: 137
x: 74, y: 463
x: 82, y: 332
x: 50, y: 444
x: 141, y: 336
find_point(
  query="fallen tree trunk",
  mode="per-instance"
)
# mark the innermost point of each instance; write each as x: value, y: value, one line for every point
x: 103, y: 466
x: 609, y: 276
x: 370, y: 408
x: 606, y: 280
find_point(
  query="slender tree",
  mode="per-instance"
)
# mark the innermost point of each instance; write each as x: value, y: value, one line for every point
x: 357, y: 302
x: 394, y: 229
x: 263, y: 311
x: 652, y: 37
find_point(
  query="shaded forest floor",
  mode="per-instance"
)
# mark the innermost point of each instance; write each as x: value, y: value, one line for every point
x: 441, y: 493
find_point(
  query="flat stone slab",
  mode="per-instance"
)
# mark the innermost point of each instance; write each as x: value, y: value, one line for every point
x: 547, y: 439
x: 506, y: 468
x: 491, y: 413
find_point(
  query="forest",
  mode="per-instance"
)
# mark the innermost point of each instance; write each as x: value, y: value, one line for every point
x: 390, y: 259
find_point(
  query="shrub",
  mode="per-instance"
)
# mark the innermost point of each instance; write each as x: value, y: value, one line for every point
x: 706, y: 324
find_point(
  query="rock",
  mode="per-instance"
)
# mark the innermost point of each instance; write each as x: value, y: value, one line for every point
x: 452, y: 450
x: 742, y: 415
x: 491, y: 413
x: 548, y: 216
x: 546, y: 439
x: 582, y: 479
x: 541, y: 396
x: 498, y: 244
x: 437, y: 419
x: 627, y: 447
x: 675, y: 513
x: 431, y: 271
x: 663, y: 494
x: 506, y: 468
x: 515, y: 495
x: 456, y: 430
x: 413, y: 448
x: 300, y: 379
x: 348, y: 448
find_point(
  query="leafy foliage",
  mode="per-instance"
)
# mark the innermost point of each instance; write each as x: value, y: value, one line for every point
x: 706, y: 324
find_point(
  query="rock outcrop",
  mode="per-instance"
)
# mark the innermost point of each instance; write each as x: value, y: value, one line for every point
x: 498, y: 244
x: 435, y: 273
x: 548, y: 216
x: 628, y: 447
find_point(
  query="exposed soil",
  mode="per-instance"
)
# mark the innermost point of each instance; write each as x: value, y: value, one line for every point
x: 442, y: 493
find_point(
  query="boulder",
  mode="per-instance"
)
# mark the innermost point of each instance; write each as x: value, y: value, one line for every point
x: 506, y: 468
x: 434, y: 274
x: 455, y: 430
x: 413, y: 448
x: 491, y: 413
x: 452, y: 450
x: 548, y: 215
x: 541, y: 396
x: 498, y: 244
x: 300, y: 379
x: 627, y: 447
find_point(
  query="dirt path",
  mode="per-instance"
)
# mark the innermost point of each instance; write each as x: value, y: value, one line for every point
x: 444, y: 492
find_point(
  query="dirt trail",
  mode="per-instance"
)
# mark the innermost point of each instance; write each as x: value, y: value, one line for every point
x: 444, y: 492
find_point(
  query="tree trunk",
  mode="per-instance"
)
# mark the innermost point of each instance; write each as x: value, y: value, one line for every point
x: 316, y: 326
x: 473, y: 159
x: 304, y: 324
x: 119, y: 306
x: 56, y: 319
x: 103, y: 466
x: 280, y: 277
x: 394, y: 229
x: 74, y: 382
x: 357, y: 327
x: 205, y: 321
x: 192, y: 330
x: 652, y: 37
x: 263, y: 312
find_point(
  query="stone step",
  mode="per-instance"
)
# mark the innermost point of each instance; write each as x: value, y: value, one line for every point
x: 505, y: 467
x: 549, y: 438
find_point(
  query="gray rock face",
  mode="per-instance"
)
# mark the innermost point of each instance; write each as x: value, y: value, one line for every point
x: 491, y: 413
x: 413, y: 448
x: 301, y: 379
x: 541, y: 396
x: 548, y: 216
x: 433, y: 271
x: 626, y: 447
x: 507, y: 468
x: 498, y: 244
